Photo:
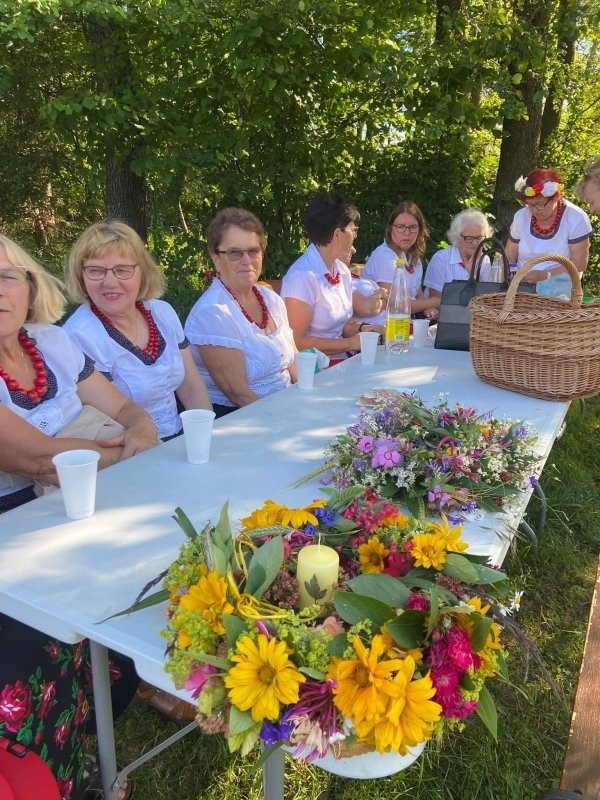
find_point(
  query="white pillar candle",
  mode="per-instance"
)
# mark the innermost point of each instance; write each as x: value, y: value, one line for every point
x: 317, y: 564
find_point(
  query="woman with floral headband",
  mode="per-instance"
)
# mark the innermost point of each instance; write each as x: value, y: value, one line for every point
x: 548, y: 224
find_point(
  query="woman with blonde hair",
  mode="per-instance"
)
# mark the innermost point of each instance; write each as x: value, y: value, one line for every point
x: 134, y: 338
x: 588, y: 188
x: 45, y: 380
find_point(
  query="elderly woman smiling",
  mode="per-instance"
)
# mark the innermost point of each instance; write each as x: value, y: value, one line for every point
x: 134, y: 338
x: 243, y: 343
x: 467, y: 230
x: 44, y: 380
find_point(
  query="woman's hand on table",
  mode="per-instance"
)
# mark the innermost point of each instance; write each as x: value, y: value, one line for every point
x: 135, y: 439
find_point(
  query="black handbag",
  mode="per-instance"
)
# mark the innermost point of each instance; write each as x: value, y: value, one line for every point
x: 454, y: 319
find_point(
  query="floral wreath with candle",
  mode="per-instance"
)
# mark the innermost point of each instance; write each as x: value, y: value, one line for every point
x: 545, y: 189
x: 383, y: 638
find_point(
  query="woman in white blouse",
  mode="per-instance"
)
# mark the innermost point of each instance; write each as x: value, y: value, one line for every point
x: 548, y: 223
x: 318, y: 287
x: 405, y: 238
x: 467, y: 229
x: 134, y: 338
x: 243, y: 344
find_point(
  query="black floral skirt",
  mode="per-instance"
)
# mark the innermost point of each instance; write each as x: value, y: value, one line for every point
x: 45, y: 698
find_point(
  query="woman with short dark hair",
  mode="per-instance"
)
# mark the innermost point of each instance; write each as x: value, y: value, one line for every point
x: 318, y: 288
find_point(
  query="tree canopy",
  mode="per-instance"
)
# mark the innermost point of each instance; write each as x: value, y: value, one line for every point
x: 160, y: 112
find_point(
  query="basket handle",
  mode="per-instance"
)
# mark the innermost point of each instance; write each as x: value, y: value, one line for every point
x: 576, y: 291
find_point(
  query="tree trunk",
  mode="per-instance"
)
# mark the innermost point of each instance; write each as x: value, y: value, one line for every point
x: 125, y: 195
x: 518, y: 152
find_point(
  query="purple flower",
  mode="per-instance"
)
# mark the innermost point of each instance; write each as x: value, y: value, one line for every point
x: 325, y: 516
x: 358, y: 464
x: 386, y: 454
x: 365, y: 444
x: 271, y: 733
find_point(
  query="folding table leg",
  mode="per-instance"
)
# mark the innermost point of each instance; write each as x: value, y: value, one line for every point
x: 107, y: 757
x: 274, y: 775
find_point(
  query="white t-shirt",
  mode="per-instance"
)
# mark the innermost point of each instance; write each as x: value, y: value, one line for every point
x: 151, y: 384
x: 216, y: 319
x: 66, y: 365
x: 446, y: 266
x: 380, y: 268
x: 332, y: 304
x: 574, y: 226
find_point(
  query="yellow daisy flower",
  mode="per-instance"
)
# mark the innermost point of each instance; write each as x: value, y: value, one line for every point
x: 262, y: 517
x: 409, y: 714
x: 263, y: 677
x: 371, y: 555
x: 272, y: 514
x: 299, y: 517
x: 183, y: 639
x: 363, y: 683
x: 429, y: 550
x: 394, y: 519
x: 452, y: 535
x: 209, y: 597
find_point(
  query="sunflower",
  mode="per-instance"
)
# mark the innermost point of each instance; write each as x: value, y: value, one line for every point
x: 363, y: 683
x: 429, y: 550
x: 372, y: 555
x: 263, y: 677
x: 209, y: 596
x: 409, y: 713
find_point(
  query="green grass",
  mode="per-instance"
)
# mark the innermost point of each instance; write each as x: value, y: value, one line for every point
x: 533, y: 722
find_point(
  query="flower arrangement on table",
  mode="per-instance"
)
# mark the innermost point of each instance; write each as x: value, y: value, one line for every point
x: 343, y: 623
x: 439, y: 458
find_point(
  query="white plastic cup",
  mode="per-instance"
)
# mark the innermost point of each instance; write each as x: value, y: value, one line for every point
x: 197, y: 432
x: 77, y: 470
x: 420, y: 328
x: 305, y: 368
x: 368, y: 346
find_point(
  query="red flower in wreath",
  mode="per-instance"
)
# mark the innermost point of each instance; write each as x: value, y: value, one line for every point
x: 15, y: 705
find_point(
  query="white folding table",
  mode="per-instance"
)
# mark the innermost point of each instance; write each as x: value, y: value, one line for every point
x: 63, y: 577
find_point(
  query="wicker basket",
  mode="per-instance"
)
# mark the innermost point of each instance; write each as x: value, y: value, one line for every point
x: 537, y: 345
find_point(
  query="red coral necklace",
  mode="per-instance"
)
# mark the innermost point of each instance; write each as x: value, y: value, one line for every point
x: 332, y: 279
x: 263, y: 307
x: 151, y: 348
x: 40, y: 384
x: 545, y: 231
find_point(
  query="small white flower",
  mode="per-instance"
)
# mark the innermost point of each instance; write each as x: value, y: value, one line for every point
x: 549, y: 189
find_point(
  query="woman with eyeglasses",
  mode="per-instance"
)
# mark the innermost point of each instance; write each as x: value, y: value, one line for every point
x: 318, y: 287
x: 468, y: 228
x: 243, y: 344
x: 46, y: 382
x: 405, y: 238
x: 548, y: 223
x: 134, y: 338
